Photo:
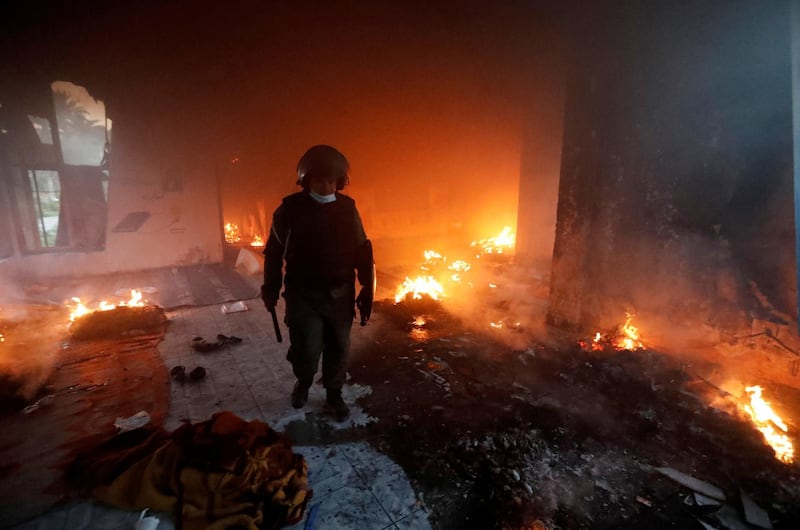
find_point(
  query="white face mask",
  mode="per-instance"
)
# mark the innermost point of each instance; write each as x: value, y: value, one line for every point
x: 322, y: 198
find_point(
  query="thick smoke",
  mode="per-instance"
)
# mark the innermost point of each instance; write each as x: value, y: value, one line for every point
x: 32, y: 332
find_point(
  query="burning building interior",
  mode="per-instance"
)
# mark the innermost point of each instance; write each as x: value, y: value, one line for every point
x: 583, y: 226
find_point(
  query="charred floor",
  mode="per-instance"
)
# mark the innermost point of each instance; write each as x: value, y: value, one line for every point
x: 496, y: 427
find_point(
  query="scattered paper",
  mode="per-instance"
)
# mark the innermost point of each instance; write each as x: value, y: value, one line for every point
x: 753, y: 513
x: 692, y: 483
x: 235, y: 307
x: 140, y: 419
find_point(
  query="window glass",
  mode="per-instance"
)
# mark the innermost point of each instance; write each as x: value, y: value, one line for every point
x: 82, y: 124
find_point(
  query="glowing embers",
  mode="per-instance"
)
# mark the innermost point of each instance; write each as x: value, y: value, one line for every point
x: 500, y: 244
x: 766, y: 420
x: 232, y: 234
x: 507, y: 323
x: 458, y: 266
x: 78, y: 309
x: 627, y: 337
x: 419, y: 286
x: 417, y: 329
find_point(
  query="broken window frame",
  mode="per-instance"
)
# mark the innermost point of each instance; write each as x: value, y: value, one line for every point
x: 23, y: 193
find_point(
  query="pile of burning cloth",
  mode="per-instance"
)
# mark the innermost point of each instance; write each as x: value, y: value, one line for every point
x: 221, y: 473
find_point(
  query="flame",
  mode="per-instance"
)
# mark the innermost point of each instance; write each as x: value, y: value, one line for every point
x: 765, y: 419
x: 627, y: 338
x: 232, y: 234
x: 257, y: 241
x: 431, y: 255
x: 432, y: 258
x: 459, y: 265
x: 420, y: 285
x: 419, y: 321
x: 2, y: 338
x: 630, y: 336
x: 596, y: 344
x: 79, y: 309
x: 504, y: 241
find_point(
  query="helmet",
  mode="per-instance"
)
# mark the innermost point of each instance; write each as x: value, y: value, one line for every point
x: 326, y: 161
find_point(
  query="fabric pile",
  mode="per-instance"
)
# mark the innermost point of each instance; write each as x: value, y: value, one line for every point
x: 218, y: 474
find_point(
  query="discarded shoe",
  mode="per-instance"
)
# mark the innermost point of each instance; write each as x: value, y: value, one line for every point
x: 335, y: 405
x: 198, y: 373
x: 224, y: 339
x: 201, y: 345
x: 178, y: 373
x: 299, y: 395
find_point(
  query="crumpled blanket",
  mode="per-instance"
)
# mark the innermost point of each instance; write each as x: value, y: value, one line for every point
x: 218, y: 474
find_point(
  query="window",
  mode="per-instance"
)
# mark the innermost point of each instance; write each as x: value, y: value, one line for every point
x: 55, y: 163
x: 45, y: 196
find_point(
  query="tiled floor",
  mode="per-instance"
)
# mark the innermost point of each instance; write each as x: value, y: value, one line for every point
x: 355, y: 487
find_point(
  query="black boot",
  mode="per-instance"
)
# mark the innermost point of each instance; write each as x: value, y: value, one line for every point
x: 300, y: 394
x: 336, y: 405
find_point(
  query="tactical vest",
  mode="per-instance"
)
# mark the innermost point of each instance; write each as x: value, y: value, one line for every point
x: 321, y: 243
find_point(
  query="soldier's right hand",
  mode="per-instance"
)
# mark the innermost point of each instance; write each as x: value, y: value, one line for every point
x: 270, y: 299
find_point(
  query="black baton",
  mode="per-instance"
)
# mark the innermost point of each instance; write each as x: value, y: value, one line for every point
x: 275, y: 324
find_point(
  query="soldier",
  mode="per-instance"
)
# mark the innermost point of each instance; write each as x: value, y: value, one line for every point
x: 319, y: 235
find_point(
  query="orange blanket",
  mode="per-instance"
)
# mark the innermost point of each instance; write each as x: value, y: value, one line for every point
x: 218, y: 474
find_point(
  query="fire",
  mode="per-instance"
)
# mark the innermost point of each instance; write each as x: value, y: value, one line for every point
x: 257, y: 241
x: 232, y: 234
x: 432, y: 258
x: 627, y: 338
x: 421, y: 285
x: 79, y: 309
x: 630, y: 336
x: 765, y: 419
x: 503, y: 242
x: 2, y: 338
x: 596, y: 344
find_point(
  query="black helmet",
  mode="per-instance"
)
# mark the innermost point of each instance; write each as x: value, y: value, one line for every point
x: 325, y: 161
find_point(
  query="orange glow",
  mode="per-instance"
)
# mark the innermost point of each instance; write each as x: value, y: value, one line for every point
x: 502, y: 243
x: 627, y: 338
x: 421, y: 285
x: 766, y: 420
x: 596, y: 345
x: 78, y: 309
x: 630, y: 339
x: 232, y: 234
x: 508, y: 324
x: 257, y: 241
x: 419, y: 321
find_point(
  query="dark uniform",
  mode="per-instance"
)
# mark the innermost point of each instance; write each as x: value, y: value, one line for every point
x: 323, y: 244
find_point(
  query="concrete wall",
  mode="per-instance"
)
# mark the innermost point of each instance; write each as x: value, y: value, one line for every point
x: 156, y: 169
x: 675, y: 184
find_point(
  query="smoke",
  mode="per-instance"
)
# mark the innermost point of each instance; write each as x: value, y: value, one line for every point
x: 31, y: 336
x: 489, y: 292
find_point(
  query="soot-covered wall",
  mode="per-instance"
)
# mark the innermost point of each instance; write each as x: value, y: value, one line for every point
x: 676, y: 181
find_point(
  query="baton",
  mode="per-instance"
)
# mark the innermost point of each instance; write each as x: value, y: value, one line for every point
x: 275, y: 324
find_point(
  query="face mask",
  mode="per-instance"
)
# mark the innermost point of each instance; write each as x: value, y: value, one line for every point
x: 323, y: 199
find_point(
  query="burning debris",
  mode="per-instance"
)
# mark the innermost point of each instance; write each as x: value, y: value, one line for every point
x: 626, y: 337
x: 79, y: 309
x: 232, y: 235
x: 503, y: 243
x: 465, y: 284
x: 114, y: 320
x: 766, y: 420
x: 419, y: 286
